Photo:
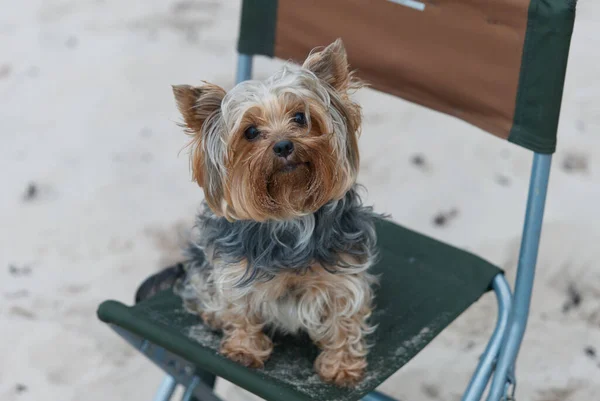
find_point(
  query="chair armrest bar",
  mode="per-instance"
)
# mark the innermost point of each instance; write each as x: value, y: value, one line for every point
x: 530, y: 242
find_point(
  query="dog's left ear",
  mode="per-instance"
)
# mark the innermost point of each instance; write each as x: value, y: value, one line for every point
x: 331, y: 65
x: 197, y: 103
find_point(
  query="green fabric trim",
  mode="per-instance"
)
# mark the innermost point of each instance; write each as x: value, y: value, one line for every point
x: 257, y: 27
x: 543, y: 68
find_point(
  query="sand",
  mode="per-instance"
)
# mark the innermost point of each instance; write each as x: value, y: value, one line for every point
x: 96, y: 194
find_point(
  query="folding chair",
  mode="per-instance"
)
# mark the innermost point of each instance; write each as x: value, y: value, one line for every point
x: 497, y: 65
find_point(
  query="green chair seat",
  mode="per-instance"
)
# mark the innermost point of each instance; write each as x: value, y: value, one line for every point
x: 424, y: 286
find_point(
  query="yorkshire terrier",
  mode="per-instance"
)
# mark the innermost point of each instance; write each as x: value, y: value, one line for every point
x: 283, y: 242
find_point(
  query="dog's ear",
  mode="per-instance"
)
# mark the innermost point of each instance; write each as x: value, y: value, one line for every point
x: 198, y: 103
x: 200, y: 106
x: 331, y: 65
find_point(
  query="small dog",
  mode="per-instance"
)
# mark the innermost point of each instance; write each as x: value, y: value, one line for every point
x: 283, y: 241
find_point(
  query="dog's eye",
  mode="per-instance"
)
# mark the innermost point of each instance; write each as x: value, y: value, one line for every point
x: 300, y: 118
x: 251, y: 133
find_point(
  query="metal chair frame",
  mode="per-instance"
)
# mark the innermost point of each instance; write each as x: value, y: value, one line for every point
x: 497, y: 363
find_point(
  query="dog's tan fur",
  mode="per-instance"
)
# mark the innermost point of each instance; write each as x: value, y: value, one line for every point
x: 332, y: 308
x: 245, y: 181
x: 233, y: 189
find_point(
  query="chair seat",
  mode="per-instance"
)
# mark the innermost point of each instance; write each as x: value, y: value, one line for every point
x: 424, y: 286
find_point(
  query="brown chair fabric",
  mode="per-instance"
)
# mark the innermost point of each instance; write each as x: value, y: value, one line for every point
x: 432, y: 57
x: 466, y: 58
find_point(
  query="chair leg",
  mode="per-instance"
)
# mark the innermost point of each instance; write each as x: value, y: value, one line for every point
x: 207, y: 382
x: 489, y: 357
x: 188, y: 395
x: 166, y: 389
x: 530, y: 241
x: 244, y: 68
x: 198, y: 390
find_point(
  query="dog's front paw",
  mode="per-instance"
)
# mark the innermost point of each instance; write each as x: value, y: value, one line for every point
x: 212, y: 320
x: 251, y: 350
x: 339, y: 368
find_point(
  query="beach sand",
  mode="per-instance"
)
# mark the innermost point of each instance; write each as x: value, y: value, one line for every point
x: 96, y: 195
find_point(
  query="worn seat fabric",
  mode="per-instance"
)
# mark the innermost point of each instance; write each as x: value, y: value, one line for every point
x: 424, y: 285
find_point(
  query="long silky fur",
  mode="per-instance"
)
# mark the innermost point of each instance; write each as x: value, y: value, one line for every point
x: 214, y: 152
x: 274, y: 248
x: 344, y: 227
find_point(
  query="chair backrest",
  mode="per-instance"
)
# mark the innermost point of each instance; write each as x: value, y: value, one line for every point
x: 499, y: 65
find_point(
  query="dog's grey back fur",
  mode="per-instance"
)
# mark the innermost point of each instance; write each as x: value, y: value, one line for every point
x: 344, y: 227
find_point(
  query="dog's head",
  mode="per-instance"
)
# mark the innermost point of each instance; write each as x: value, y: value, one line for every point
x: 276, y: 149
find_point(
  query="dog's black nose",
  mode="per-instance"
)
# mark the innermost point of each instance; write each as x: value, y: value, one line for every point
x: 283, y: 148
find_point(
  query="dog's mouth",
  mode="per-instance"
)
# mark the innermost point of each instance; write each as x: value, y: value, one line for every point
x: 288, y: 175
x: 292, y: 166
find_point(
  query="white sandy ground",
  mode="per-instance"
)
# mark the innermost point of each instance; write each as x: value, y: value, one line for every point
x: 86, y: 114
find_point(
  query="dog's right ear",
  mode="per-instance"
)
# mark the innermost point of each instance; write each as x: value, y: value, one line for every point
x: 200, y: 106
x: 198, y: 103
